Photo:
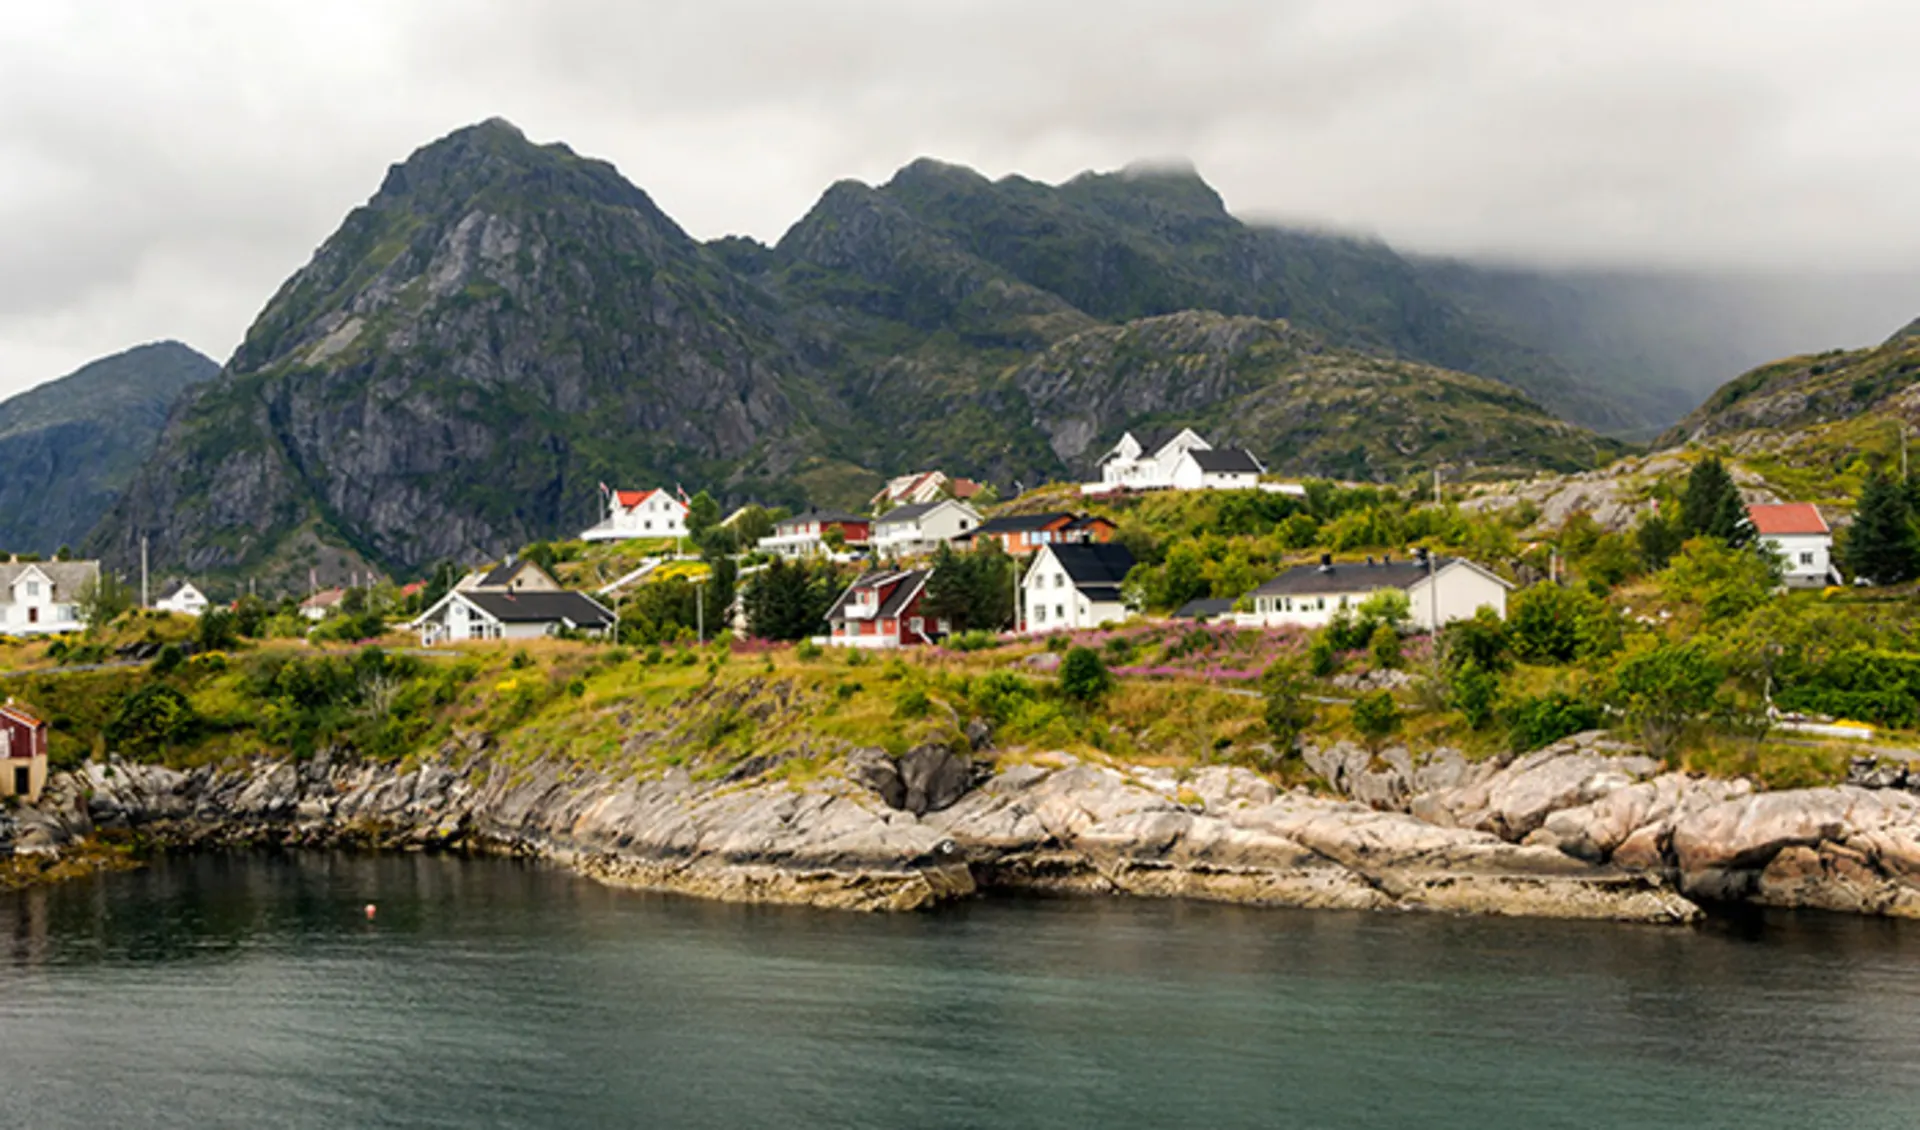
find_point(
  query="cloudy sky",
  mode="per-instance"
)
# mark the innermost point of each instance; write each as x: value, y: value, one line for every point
x: 164, y: 164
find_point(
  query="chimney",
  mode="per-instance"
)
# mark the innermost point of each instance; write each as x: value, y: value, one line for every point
x: 1386, y: 559
x: 1326, y: 563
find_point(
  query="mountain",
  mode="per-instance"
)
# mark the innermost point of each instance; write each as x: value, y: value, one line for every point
x: 504, y: 326
x: 1814, y: 390
x: 70, y: 446
x: 499, y: 329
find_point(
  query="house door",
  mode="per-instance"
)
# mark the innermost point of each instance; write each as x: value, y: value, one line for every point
x: 22, y: 779
x: 33, y: 615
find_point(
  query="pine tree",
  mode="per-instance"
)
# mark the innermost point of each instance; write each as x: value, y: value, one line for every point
x: 1882, y: 546
x: 1711, y: 506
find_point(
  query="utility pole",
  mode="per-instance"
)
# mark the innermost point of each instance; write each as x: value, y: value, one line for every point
x: 143, y: 571
x: 1436, y: 486
x: 700, y: 611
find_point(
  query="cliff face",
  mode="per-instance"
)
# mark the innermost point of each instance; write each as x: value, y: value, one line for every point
x: 1801, y: 392
x: 504, y: 326
x: 499, y: 329
x: 69, y: 447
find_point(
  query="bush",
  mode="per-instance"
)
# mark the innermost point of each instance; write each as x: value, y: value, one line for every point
x: 1083, y: 677
x: 1383, y: 649
x: 975, y: 640
x: 1550, y: 624
x: 1662, y: 688
x: 169, y: 660
x: 217, y: 630
x: 1544, y: 719
x: 912, y: 703
x: 1000, y: 694
x: 153, y: 719
x: 1323, y: 659
x: 1377, y: 717
x: 1481, y: 641
x: 1288, y: 711
x: 1474, y: 692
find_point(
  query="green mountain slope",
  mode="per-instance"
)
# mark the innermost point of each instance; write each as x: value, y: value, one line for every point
x: 1800, y: 392
x: 70, y: 446
x: 505, y: 325
x: 499, y: 329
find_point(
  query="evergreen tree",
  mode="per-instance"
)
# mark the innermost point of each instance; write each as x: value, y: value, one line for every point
x: 1659, y: 540
x: 703, y: 514
x: 1881, y: 546
x: 1711, y: 506
x: 788, y: 600
x: 972, y: 591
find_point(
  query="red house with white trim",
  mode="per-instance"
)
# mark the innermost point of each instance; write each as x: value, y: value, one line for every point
x: 882, y: 609
x: 23, y: 753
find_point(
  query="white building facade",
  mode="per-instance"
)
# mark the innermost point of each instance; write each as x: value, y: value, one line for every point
x: 1440, y: 592
x: 43, y: 597
x: 913, y: 531
x: 185, y: 599
x: 1072, y: 587
x: 635, y: 514
x: 1798, y: 535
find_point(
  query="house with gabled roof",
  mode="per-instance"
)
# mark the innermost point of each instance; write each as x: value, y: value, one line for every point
x: 514, y: 600
x: 1075, y: 586
x: 919, y: 529
x: 183, y: 598
x: 1176, y: 459
x: 23, y: 752
x: 631, y: 514
x: 884, y: 609
x: 1211, y: 469
x: 922, y: 486
x: 1799, y: 536
x: 808, y: 534
x: 1021, y: 534
x: 43, y: 597
x: 1439, y: 590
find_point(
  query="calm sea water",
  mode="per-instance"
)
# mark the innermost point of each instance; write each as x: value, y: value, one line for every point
x: 249, y: 991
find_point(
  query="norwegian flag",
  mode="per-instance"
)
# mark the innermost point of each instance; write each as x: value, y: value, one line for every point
x: 682, y: 493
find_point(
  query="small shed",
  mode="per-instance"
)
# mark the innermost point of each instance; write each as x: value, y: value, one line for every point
x: 23, y: 753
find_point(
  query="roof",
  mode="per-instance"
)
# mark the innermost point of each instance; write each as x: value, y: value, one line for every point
x: 1222, y: 462
x: 67, y: 577
x: 1086, y: 520
x: 575, y: 608
x: 1350, y: 576
x: 1093, y: 566
x: 910, y: 582
x: 823, y: 516
x: 325, y: 598
x: 1203, y: 609
x: 20, y: 714
x: 1787, y: 518
x: 1014, y: 523
x: 174, y: 589
x: 910, y: 513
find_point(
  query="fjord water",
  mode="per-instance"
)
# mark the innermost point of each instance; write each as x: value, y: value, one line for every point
x: 251, y: 991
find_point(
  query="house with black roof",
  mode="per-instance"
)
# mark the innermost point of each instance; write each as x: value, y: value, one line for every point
x: 1177, y: 459
x: 883, y: 609
x: 516, y: 600
x: 920, y: 528
x: 1021, y: 534
x: 1075, y: 586
x: 1439, y: 590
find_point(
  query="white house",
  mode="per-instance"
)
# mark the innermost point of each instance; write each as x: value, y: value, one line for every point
x: 1799, y: 536
x: 183, y: 598
x: 1440, y: 590
x: 640, y: 514
x: 1145, y: 460
x: 1203, y: 468
x: 909, y: 531
x: 516, y: 600
x: 923, y: 486
x: 805, y: 535
x: 42, y: 597
x: 1074, y: 586
x: 320, y: 605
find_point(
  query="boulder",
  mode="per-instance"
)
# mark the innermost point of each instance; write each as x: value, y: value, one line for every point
x: 873, y: 769
x: 934, y: 776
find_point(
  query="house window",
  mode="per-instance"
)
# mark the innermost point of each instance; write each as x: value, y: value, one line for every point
x: 1806, y: 557
x: 1059, y: 612
x: 33, y: 588
x: 1039, y: 613
x: 1059, y: 580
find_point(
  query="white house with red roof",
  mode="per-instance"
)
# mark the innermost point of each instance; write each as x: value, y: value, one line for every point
x: 640, y: 514
x: 1800, y: 537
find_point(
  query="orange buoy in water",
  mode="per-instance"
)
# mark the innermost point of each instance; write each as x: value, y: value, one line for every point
x: 371, y: 911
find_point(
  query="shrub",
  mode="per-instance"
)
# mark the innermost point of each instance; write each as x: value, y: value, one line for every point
x: 1288, y: 711
x: 808, y: 651
x: 1323, y: 659
x: 974, y: 640
x: 845, y: 691
x: 1000, y: 694
x: 169, y: 660
x: 1383, y: 649
x: 520, y: 661
x: 152, y: 719
x: 1662, y: 688
x: 1473, y: 693
x: 1481, y: 640
x: 1083, y: 678
x: 1377, y: 717
x: 577, y: 688
x: 217, y: 630
x: 1544, y: 719
x: 912, y: 703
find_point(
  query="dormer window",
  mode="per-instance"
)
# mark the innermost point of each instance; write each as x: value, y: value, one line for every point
x: 33, y: 588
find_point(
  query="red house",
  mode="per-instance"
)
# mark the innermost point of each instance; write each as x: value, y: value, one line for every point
x: 805, y: 535
x: 23, y: 753
x: 1021, y: 534
x: 882, y: 610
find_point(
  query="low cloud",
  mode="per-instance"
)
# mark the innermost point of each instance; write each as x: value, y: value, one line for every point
x: 164, y: 167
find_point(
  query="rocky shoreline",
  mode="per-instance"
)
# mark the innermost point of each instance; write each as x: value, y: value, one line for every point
x: 1583, y: 829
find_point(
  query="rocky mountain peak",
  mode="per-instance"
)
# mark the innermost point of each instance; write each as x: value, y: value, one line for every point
x: 1910, y: 330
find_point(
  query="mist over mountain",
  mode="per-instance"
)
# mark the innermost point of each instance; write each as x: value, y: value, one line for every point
x: 504, y: 325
